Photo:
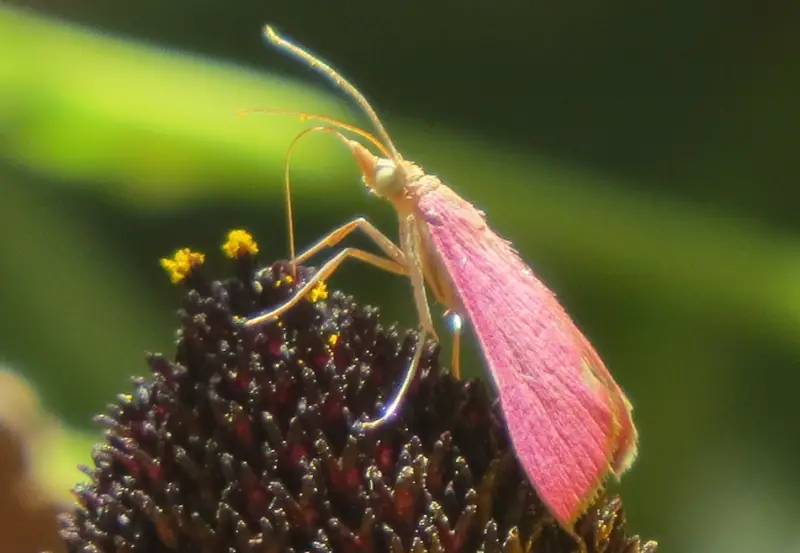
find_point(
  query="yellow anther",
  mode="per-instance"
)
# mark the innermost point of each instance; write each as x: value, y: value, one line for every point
x: 181, y: 264
x: 239, y: 242
x: 319, y: 292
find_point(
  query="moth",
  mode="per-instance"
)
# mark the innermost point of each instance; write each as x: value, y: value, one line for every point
x: 569, y: 422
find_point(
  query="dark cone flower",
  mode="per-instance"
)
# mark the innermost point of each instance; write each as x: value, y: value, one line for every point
x: 244, y: 443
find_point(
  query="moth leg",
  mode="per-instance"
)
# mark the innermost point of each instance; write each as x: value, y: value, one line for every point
x: 455, y: 363
x: 411, y: 244
x: 385, y: 243
x: 381, y: 240
x: 391, y: 409
x: 323, y: 273
x: 581, y: 543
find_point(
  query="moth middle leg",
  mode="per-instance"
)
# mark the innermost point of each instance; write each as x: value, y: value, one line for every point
x: 323, y: 273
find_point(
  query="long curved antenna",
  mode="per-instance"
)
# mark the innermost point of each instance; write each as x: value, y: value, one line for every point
x: 328, y: 71
x: 287, y: 187
x: 305, y: 116
x: 390, y: 411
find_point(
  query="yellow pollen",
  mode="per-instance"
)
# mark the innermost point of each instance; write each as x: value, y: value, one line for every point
x: 239, y: 242
x: 333, y: 339
x: 181, y: 264
x: 319, y: 292
x: 287, y: 279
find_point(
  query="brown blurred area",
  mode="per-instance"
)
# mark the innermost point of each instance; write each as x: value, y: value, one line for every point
x: 27, y: 512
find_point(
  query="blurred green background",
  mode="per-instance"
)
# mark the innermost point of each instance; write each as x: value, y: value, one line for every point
x: 641, y: 157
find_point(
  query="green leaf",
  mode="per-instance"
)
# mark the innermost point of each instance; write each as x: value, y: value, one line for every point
x: 147, y: 125
x: 160, y: 128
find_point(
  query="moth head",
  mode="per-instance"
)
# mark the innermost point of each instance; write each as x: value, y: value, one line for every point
x: 383, y: 176
x: 388, y: 179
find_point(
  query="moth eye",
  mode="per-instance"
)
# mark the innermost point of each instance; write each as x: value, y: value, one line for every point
x: 388, y: 178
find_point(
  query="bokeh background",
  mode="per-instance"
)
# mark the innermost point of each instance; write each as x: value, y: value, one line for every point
x: 642, y: 157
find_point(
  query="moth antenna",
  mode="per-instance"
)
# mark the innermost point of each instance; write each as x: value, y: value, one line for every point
x: 305, y: 116
x: 287, y: 182
x: 328, y: 71
x: 287, y: 187
x: 391, y: 409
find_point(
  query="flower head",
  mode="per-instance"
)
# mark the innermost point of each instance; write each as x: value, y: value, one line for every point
x: 244, y: 441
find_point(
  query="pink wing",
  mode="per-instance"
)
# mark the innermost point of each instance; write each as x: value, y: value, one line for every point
x: 569, y: 422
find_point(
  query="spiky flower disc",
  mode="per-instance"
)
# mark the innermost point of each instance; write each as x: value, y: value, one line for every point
x: 243, y: 442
